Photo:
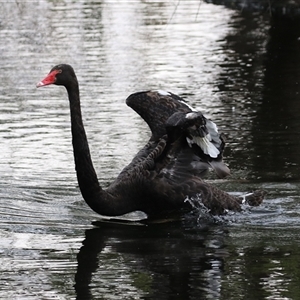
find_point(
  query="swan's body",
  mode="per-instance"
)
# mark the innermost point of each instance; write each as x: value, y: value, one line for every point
x: 166, y: 171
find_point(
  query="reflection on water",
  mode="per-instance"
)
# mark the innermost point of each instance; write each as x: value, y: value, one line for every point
x: 239, y: 69
x: 151, y: 261
x: 180, y: 262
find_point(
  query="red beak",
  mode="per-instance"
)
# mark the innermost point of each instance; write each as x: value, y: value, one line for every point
x: 49, y: 79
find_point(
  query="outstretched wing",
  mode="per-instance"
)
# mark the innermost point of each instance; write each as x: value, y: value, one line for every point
x: 202, y: 138
x: 164, y: 112
x: 155, y: 107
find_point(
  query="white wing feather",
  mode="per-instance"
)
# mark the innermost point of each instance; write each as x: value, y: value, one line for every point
x: 205, y: 144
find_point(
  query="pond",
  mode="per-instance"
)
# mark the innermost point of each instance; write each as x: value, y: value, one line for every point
x: 240, y: 69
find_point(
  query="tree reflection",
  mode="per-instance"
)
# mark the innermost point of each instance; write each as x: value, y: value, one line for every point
x: 277, y: 122
x: 259, y: 87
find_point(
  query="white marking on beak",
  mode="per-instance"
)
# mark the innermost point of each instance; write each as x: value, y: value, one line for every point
x: 41, y: 83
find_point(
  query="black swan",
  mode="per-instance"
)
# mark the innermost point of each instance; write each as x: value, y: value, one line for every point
x: 167, y: 171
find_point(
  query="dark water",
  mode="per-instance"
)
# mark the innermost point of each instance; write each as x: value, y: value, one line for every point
x: 242, y: 70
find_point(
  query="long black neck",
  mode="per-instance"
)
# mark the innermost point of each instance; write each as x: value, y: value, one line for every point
x: 86, y: 175
x: 101, y: 201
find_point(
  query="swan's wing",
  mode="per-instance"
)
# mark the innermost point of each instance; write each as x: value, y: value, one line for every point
x: 179, y: 162
x: 202, y: 137
x: 170, y: 159
x: 155, y: 107
x: 166, y: 112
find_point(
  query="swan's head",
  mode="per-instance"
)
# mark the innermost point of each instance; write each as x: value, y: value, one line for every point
x: 60, y: 75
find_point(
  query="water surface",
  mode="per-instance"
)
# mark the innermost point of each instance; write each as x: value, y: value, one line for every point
x: 240, y: 69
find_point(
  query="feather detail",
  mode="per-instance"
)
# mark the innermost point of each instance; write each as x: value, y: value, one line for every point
x: 205, y: 144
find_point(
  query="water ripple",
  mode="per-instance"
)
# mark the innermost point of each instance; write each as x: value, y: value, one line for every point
x: 209, y: 54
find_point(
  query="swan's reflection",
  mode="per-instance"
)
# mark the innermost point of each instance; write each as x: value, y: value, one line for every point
x: 158, y: 261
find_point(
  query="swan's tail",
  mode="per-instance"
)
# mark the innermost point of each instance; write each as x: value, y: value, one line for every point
x: 253, y: 199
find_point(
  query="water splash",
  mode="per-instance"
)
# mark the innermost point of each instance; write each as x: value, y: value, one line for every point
x: 202, y: 213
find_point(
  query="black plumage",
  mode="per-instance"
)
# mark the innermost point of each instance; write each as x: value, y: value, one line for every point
x: 167, y: 171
